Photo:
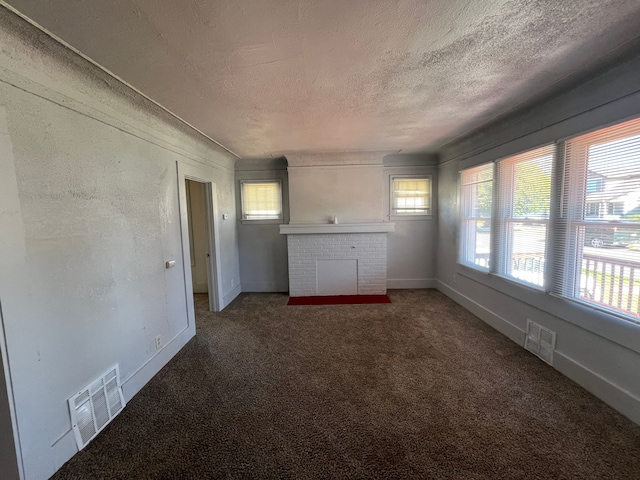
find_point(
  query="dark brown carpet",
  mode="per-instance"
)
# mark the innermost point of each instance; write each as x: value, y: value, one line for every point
x: 418, y: 388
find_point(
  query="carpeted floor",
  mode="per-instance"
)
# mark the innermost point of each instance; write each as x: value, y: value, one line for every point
x: 418, y: 388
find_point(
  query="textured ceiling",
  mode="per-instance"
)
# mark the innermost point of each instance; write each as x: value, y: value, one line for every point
x: 275, y: 76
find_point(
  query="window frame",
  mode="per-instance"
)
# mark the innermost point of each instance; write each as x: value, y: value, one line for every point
x: 568, y: 211
x: 505, y: 218
x: 464, y: 247
x: 394, y: 215
x: 265, y: 220
x: 573, y: 219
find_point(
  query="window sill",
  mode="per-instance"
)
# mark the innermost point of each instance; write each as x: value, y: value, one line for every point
x: 271, y: 221
x: 472, y: 268
x: 400, y: 218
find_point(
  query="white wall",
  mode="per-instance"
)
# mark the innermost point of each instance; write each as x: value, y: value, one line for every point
x: 597, y: 350
x: 89, y: 214
x: 356, y: 188
x: 348, y: 185
x: 263, y: 251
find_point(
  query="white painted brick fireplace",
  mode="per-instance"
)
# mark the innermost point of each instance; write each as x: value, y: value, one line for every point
x: 337, y: 259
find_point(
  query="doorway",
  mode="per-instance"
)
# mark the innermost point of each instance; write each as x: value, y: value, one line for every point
x: 198, y: 238
x: 10, y: 453
x: 200, y: 221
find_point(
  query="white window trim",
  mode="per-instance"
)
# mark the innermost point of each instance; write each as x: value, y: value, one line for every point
x: 504, y: 217
x: 260, y: 221
x: 411, y: 216
x: 560, y: 243
x: 573, y: 215
x: 466, y: 243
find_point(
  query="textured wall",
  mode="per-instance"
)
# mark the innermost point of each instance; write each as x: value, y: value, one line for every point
x: 90, y: 212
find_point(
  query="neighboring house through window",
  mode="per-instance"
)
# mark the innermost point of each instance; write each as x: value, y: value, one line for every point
x: 604, y: 277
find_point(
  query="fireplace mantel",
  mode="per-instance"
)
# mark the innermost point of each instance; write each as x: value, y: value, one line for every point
x: 331, y: 228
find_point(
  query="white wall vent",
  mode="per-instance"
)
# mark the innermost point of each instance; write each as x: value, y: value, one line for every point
x: 540, y: 341
x: 93, y: 407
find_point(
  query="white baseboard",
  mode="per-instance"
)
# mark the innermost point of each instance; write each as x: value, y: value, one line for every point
x: 496, y: 321
x: 63, y: 449
x: 65, y: 446
x: 141, y: 377
x: 271, y: 287
x: 402, y: 283
x: 231, y: 296
x: 610, y: 393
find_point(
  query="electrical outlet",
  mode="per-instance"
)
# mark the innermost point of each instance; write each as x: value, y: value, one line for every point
x: 233, y: 282
x: 158, y: 342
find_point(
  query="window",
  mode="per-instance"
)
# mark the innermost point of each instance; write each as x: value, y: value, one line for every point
x: 476, y: 206
x: 261, y: 200
x: 592, y: 235
x: 592, y: 209
x: 523, y: 213
x: 410, y: 196
x: 520, y: 222
x: 598, y: 229
x: 615, y: 209
x: 595, y: 182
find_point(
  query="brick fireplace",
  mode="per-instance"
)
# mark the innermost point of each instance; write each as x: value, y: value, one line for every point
x: 331, y: 259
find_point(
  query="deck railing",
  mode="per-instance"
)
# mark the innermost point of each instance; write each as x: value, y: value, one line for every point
x: 529, y: 268
x: 609, y: 282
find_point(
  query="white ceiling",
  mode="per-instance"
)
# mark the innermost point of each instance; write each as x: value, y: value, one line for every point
x: 266, y: 77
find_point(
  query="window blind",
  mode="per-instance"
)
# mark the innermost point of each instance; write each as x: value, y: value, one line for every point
x: 522, y: 215
x: 476, y: 207
x: 599, y: 215
x: 411, y: 196
x: 261, y: 200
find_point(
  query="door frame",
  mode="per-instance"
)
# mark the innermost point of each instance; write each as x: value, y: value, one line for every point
x: 214, y: 266
x: 10, y: 432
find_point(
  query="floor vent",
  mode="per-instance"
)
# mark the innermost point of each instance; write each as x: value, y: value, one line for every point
x: 540, y: 341
x: 93, y: 407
